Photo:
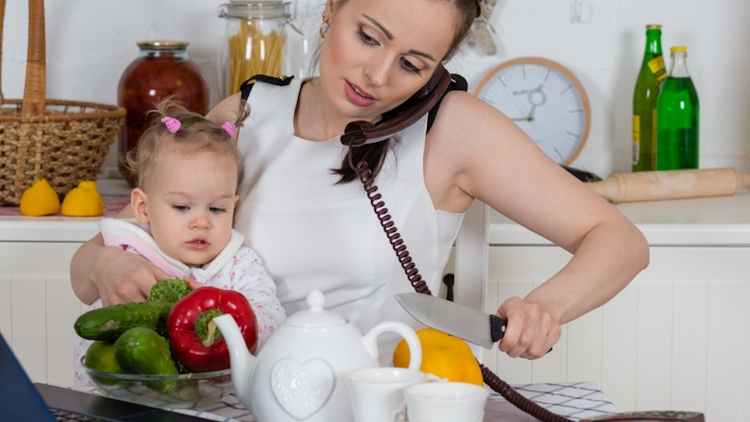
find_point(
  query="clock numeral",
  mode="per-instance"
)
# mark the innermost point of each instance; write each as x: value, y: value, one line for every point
x: 566, y: 89
x: 575, y: 135
x: 549, y: 71
x: 578, y: 110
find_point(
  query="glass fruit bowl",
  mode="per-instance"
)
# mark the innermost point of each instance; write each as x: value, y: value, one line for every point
x: 166, y: 391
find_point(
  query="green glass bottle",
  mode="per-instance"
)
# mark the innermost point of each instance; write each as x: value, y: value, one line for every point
x: 644, y: 101
x: 677, y: 113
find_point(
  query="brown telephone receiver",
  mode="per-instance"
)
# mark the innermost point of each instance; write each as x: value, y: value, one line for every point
x: 363, y: 132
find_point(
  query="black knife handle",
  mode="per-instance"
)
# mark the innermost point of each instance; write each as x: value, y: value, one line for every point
x: 497, y: 327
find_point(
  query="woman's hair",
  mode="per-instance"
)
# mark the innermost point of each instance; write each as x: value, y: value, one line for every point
x: 173, y: 129
x: 374, y: 154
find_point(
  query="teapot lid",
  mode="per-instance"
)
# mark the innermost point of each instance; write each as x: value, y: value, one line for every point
x: 316, y: 316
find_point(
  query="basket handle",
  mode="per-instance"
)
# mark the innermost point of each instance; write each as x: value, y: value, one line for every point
x: 2, y: 21
x: 34, y: 89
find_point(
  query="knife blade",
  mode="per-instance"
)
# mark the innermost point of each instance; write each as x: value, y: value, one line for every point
x: 461, y: 321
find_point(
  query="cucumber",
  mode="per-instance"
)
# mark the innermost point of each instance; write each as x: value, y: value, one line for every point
x: 110, y: 322
x: 141, y: 350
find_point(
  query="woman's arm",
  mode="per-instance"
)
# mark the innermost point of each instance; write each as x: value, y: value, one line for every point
x: 109, y: 273
x: 474, y: 151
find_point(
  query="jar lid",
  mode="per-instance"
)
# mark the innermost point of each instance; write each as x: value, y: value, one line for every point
x: 162, y: 45
x: 316, y: 316
x: 678, y: 49
x: 653, y: 26
x: 260, y: 9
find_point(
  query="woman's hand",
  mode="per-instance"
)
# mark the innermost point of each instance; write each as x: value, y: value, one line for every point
x: 531, y: 331
x: 123, y: 277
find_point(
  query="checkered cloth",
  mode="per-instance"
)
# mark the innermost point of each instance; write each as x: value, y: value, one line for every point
x: 572, y: 400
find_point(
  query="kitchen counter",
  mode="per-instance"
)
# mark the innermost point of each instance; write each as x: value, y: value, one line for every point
x: 715, y: 221
x: 59, y: 228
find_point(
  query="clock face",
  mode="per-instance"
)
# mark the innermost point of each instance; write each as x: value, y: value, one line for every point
x: 545, y: 100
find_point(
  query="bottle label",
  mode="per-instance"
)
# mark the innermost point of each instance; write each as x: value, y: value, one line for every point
x: 657, y: 68
x: 636, y: 138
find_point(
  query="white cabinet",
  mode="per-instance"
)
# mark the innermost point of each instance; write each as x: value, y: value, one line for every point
x: 678, y: 337
x: 38, y: 307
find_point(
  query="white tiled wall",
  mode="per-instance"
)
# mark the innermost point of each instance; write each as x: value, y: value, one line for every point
x: 90, y: 42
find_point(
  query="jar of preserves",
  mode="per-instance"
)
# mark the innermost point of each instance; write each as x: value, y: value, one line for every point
x: 259, y: 39
x: 161, y: 70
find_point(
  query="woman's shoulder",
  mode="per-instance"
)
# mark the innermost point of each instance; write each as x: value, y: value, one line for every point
x: 463, y: 113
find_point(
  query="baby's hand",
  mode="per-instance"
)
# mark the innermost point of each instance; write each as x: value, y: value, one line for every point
x: 192, y: 283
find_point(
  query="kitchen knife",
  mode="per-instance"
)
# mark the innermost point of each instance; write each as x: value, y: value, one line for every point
x: 461, y: 321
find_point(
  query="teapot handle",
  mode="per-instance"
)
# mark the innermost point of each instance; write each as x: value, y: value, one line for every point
x: 415, y: 348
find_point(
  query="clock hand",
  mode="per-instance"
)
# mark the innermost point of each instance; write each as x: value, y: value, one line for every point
x: 515, y: 100
x: 536, y: 100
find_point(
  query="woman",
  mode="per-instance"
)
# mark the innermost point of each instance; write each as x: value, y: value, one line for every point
x: 314, y: 227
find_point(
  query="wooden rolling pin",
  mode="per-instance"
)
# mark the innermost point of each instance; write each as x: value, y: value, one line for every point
x: 672, y: 184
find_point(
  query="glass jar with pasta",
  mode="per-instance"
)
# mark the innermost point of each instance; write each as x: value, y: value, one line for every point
x: 256, y: 42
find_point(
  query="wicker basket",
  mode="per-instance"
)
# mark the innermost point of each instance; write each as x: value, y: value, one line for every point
x: 62, y: 141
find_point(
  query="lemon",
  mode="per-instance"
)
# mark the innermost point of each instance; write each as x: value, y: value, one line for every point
x: 40, y: 199
x: 101, y: 356
x: 443, y: 355
x: 83, y: 201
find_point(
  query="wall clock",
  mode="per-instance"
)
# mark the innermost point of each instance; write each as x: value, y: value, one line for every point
x: 545, y: 100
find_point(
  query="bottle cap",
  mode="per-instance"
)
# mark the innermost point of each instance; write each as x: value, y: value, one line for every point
x: 679, y: 48
x: 653, y: 26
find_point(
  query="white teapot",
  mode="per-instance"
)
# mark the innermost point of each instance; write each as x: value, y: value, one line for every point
x: 299, y: 375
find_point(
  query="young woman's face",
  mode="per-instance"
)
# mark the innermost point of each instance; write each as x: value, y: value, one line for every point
x: 190, y: 206
x: 378, y: 53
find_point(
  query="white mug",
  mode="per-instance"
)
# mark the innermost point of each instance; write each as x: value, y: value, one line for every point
x: 446, y: 402
x: 377, y: 393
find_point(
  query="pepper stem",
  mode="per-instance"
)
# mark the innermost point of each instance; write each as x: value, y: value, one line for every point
x: 211, y: 331
x: 206, y: 329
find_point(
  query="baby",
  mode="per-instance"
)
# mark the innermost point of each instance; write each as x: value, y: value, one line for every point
x: 188, y: 170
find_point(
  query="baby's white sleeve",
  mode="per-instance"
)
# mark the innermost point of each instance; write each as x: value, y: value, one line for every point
x: 247, y: 276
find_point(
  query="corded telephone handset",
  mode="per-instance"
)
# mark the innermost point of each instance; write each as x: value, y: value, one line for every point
x: 362, y: 132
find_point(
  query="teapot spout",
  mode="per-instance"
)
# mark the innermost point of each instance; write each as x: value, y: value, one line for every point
x: 240, y: 358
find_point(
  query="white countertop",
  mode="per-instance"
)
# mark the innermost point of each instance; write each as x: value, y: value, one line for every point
x: 717, y: 221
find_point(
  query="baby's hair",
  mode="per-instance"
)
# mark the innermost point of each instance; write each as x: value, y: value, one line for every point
x: 194, y: 134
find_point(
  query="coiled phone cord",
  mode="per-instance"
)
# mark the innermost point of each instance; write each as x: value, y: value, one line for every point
x: 489, y: 377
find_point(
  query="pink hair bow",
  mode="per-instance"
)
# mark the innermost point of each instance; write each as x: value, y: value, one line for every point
x: 228, y: 128
x: 173, y: 125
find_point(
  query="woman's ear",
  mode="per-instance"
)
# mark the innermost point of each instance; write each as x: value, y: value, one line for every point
x: 138, y: 201
x: 328, y: 12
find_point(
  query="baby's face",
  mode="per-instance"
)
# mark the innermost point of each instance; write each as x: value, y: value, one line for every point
x: 191, y: 205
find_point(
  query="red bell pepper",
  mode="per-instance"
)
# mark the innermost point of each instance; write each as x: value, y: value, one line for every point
x: 195, y: 340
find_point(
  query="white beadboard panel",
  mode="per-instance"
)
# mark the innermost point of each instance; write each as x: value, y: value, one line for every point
x: 724, y: 328
x: 744, y: 391
x: 553, y: 366
x: 654, y: 370
x: 512, y: 371
x: 29, y: 325
x: 26, y: 258
x: 690, y: 346
x: 584, y: 341
x: 63, y: 308
x: 620, y: 348
x: 6, y: 307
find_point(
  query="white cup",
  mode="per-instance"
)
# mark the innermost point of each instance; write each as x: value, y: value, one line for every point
x: 377, y: 393
x: 446, y: 402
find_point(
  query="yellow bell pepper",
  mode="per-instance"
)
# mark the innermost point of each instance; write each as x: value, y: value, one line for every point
x: 443, y: 355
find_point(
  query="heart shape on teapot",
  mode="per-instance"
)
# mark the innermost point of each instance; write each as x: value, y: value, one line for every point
x: 302, y: 388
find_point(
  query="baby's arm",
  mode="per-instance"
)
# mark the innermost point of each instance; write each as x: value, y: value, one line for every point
x: 247, y: 276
